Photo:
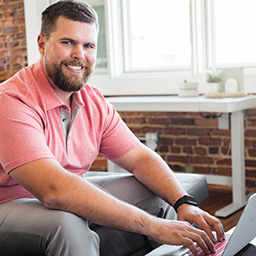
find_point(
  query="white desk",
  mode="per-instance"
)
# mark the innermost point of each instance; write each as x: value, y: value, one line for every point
x: 235, y: 106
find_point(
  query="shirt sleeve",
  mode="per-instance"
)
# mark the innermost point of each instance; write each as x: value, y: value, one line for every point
x: 21, y: 133
x: 117, y: 138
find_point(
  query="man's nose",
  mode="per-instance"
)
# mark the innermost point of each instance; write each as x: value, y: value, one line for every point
x: 78, y: 52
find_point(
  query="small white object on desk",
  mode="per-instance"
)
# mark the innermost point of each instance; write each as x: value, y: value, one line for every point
x: 231, y: 86
x: 188, y: 89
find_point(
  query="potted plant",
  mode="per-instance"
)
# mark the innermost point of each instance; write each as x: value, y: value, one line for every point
x: 213, y: 79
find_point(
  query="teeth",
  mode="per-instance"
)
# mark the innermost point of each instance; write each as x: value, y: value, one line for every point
x: 75, y: 67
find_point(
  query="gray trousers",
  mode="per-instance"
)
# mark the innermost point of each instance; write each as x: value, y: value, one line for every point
x: 29, y: 228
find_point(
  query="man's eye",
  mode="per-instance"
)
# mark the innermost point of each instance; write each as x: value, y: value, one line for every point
x: 66, y: 42
x: 89, y: 46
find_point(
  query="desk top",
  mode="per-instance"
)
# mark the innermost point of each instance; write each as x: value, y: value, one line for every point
x: 180, y: 104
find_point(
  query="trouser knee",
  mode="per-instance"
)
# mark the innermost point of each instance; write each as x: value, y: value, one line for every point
x: 43, y: 231
x: 71, y: 235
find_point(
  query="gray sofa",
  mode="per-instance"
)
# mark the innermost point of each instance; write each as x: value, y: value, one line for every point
x: 118, y: 243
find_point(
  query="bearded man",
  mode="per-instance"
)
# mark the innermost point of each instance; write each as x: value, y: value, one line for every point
x: 53, y: 126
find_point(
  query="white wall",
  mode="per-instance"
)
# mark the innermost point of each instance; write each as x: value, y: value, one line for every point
x: 33, y: 10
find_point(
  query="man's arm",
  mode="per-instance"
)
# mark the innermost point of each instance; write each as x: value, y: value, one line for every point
x: 150, y: 169
x: 59, y: 189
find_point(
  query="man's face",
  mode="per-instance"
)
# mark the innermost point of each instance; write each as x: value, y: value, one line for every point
x: 69, y: 54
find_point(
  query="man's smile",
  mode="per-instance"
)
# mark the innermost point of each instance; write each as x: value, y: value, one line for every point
x: 74, y: 68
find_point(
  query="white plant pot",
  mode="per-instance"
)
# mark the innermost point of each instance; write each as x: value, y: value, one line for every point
x: 212, y: 88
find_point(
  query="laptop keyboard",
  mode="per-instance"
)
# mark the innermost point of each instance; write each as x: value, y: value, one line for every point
x: 219, y: 247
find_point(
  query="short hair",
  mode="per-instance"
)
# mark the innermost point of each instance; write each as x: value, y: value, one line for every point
x: 70, y: 9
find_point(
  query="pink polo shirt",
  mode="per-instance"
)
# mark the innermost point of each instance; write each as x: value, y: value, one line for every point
x: 32, y: 127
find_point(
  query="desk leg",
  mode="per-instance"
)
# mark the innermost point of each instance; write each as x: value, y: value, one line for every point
x: 238, y: 168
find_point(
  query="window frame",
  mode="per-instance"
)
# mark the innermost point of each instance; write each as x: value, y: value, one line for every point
x: 119, y: 82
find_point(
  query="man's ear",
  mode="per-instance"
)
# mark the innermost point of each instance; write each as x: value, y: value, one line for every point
x: 41, y: 42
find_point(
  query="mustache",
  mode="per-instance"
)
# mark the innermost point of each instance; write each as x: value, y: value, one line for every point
x: 78, y: 63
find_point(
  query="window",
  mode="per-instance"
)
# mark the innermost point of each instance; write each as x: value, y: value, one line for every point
x: 150, y: 46
x: 101, y: 63
x: 156, y: 35
x: 232, y: 33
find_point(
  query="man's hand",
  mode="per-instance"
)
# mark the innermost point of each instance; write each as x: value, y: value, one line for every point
x: 182, y: 233
x: 204, y: 220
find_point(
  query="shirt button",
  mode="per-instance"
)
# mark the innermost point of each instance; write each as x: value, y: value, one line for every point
x: 64, y: 119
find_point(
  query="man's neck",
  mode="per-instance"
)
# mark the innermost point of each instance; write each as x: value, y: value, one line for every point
x: 66, y: 97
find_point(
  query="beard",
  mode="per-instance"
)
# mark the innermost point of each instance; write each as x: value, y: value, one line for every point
x: 68, y: 83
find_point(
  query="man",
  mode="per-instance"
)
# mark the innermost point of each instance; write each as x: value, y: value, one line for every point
x: 53, y: 125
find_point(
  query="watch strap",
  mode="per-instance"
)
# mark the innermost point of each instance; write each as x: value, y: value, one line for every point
x: 186, y: 199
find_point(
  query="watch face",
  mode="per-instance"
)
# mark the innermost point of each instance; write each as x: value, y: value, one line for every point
x: 190, y: 200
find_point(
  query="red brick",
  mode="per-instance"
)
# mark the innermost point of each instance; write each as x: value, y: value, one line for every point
x: 175, y: 131
x: 253, y: 142
x: 182, y: 121
x: 175, y: 150
x: 200, y: 151
x: 209, y: 141
x: 7, y: 23
x: 226, y: 142
x: 221, y: 132
x: 10, y: 29
x: 200, y: 160
x: 19, y: 36
x: 250, y: 133
x: 202, y: 169
x: 198, y: 132
x: 251, y: 173
x: 12, y: 45
x: 159, y: 121
x: 138, y: 120
x: 251, y: 112
x: 251, y: 122
x: 252, y: 152
x: 202, y: 122
x: 223, y: 171
x: 162, y: 149
x: 146, y: 129
x: 226, y: 151
x: 223, y: 161
x: 166, y: 140
x: 182, y: 141
x: 188, y: 150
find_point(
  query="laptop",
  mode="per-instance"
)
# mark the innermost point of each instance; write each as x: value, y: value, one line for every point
x: 236, y: 238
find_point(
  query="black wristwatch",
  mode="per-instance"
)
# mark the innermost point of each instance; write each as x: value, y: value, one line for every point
x: 187, y: 199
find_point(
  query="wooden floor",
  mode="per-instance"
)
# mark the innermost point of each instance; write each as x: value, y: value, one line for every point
x: 218, y: 200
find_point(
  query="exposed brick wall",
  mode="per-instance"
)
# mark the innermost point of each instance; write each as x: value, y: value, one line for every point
x: 188, y: 141
x: 13, y: 53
